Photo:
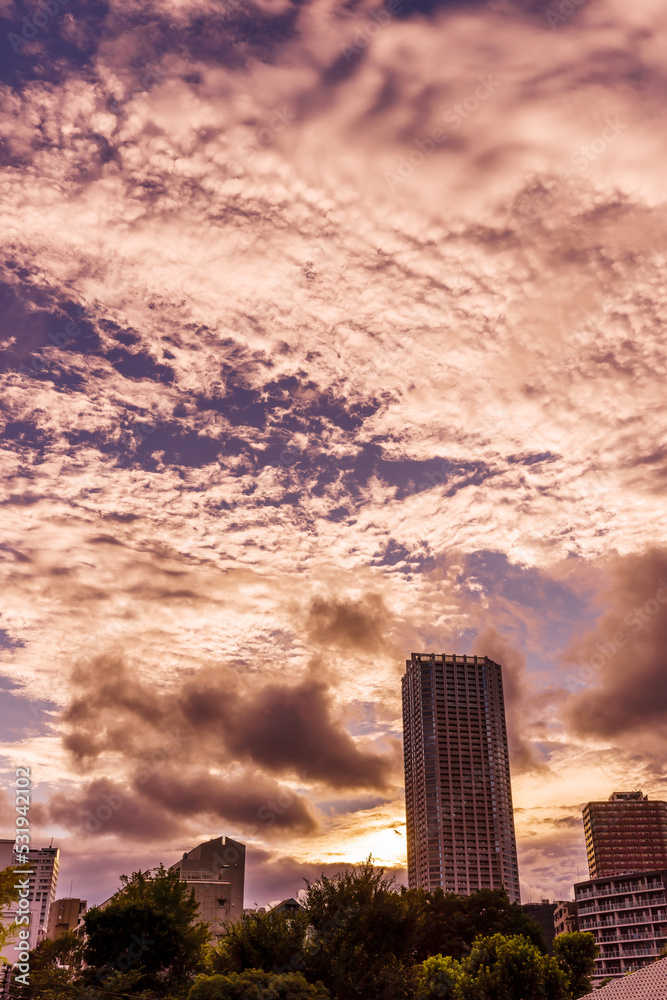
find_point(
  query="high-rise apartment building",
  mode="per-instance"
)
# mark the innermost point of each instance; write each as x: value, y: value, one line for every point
x: 458, y: 796
x: 626, y: 833
x: 43, y: 881
x: 627, y: 915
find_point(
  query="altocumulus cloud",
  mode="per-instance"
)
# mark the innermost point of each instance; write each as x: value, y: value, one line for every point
x: 256, y: 404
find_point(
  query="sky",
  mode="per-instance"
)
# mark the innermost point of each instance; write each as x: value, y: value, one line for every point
x: 331, y: 332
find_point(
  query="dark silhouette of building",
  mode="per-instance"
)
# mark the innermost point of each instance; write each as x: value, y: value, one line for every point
x: 458, y: 796
x: 287, y: 907
x: 543, y: 915
x: 626, y: 833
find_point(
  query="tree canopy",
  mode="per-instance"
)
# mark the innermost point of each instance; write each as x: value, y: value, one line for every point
x: 575, y: 953
x: 271, y: 942
x: 257, y: 985
x: 147, y: 933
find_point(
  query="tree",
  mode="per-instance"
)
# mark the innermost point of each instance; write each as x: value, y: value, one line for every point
x: 8, y: 894
x: 257, y: 985
x: 146, y: 938
x: 575, y: 953
x: 438, y: 978
x: 363, y: 935
x: 510, y: 968
x: 55, y: 966
x: 272, y: 942
x: 449, y: 924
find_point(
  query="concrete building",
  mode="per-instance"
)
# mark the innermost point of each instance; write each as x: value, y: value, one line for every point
x: 565, y: 917
x: 460, y: 824
x: 543, y: 915
x: 627, y: 914
x: 42, y: 884
x: 216, y: 872
x: 65, y: 915
x: 626, y: 833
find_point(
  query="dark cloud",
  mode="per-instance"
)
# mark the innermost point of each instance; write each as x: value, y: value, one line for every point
x: 360, y: 623
x: 160, y: 802
x: 284, y: 729
x: 617, y: 675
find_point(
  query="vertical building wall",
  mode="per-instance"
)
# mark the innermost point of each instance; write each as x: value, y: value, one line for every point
x: 43, y: 883
x: 64, y: 916
x: 543, y: 915
x: 460, y: 823
x: 626, y: 833
x: 216, y: 872
x: 627, y: 914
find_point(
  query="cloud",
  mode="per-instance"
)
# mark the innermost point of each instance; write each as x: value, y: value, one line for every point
x: 291, y: 387
x: 617, y: 678
x: 359, y: 623
x: 490, y: 643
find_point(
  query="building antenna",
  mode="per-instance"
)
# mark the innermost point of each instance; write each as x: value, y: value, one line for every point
x: 71, y: 886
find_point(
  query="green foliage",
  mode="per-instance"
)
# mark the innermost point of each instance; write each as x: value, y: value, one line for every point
x: 510, y: 968
x: 267, y: 941
x: 363, y: 936
x: 449, y: 924
x: 438, y: 978
x: 55, y: 967
x: 575, y: 953
x: 257, y: 985
x: 145, y: 939
x: 8, y: 894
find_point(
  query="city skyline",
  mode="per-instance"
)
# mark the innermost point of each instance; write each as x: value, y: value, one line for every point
x: 329, y: 332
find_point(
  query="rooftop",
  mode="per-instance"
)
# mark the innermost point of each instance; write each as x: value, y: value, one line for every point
x: 646, y: 984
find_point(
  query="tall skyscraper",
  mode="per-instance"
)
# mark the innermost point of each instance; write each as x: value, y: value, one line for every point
x: 457, y: 777
x: 627, y: 833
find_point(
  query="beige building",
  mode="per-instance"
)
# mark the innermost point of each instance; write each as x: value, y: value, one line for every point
x: 565, y: 917
x: 64, y: 916
x: 42, y: 884
x: 215, y: 870
x: 627, y: 915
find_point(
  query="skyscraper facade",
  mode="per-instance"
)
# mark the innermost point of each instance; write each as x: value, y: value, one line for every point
x: 42, y: 878
x: 627, y: 833
x: 458, y: 796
